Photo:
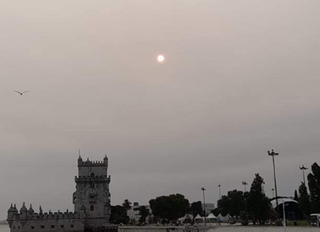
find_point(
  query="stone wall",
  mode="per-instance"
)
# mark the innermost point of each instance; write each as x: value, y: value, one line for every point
x: 66, y: 225
x: 164, y: 228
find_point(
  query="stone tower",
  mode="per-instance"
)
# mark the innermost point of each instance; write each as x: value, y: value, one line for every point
x: 92, y: 197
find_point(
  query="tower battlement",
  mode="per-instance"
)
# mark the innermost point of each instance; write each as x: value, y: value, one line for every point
x: 95, y: 178
x: 89, y: 163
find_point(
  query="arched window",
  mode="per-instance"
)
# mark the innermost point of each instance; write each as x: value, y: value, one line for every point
x: 91, y: 208
x: 92, y: 175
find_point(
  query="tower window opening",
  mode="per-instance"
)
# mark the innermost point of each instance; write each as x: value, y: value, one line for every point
x: 92, y: 185
x: 91, y: 208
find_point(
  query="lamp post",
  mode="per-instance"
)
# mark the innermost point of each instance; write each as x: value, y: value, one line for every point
x: 303, y: 168
x: 204, y: 205
x: 273, y: 154
x: 272, y: 192
x: 219, y: 185
x: 245, y: 184
x: 284, y: 215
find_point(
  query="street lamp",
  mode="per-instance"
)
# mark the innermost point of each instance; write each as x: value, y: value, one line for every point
x: 272, y: 192
x: 272, y: 153
x: 303, y: 168
x: 284, y: 215
x: 204, y: 205
x: 244, y: 184
x: 219, y: 185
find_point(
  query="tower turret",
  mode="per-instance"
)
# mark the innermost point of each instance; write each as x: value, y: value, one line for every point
x: 30, y: 210
x: 105, y: 159
x: 15, y: 209
x: 23, y: 213
x: 23, y: 208
x: 11, y: 213
x: 80, y: 159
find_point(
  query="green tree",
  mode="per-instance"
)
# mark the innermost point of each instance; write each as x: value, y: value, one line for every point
x: 215, y: 212
x: 258, y: 204
x: 237, y: 202
x: 144, y: 213
x: 233, y: 203
x: 118, y: 215
x: 296, y: 197
x: 126, y: 204
x: 304, y: 200
x: 224, y: 205
x: 196, y: 208
x: 314, y: 187
x: 169, y: 207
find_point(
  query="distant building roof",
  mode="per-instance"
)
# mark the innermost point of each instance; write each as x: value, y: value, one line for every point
x: 281, y: 200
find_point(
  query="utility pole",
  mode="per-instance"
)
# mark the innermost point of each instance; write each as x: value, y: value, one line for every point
x: 245, y: 184
x: 204, y: 205
x: 219, y: 185
x: 272, y: 192
x: 303, y: 168
x: 284, y: 216
x: 273, y: 154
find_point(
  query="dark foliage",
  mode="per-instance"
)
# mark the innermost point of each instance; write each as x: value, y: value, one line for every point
x: 304, y: 200
x: 118, y: 215
x: 169, y: 207
x: 126, y: 204
x: 144, y: 213
x: 233, y: 203
x: 196, y: 208
x: 258, y: 204
x: 296, y: 197
x: 215, y: 212
x: 314, y: 187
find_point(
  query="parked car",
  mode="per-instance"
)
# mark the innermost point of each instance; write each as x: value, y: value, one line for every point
x: 314, y: 219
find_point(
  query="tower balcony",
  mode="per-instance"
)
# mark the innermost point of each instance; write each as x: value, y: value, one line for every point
x: 82, y: 179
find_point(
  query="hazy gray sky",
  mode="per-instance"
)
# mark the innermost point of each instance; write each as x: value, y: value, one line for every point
x: 240, y: 78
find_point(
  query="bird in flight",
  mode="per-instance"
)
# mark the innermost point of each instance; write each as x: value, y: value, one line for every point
x: 21, y: 92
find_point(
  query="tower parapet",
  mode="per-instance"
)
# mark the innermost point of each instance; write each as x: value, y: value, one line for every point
x: 89, y: 163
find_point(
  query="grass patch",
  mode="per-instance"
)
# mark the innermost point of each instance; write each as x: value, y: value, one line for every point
x: 299, y: 223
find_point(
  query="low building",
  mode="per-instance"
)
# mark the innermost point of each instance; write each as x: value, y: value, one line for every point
x: 292, y: 209
x: 133, y: 213
x: 209, y: 207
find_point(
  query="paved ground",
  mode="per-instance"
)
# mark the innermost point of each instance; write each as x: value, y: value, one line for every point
x: 263, y: 229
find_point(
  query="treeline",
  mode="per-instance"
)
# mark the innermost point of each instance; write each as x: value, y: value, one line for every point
x: 253, y: 205
x: 309, y: 201
x: 164, y: 209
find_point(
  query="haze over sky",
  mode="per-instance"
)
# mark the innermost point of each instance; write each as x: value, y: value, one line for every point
x: 240, y: 78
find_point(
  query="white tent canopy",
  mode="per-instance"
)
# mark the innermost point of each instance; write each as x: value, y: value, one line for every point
x: 224, y: 218
x: 187, y: 216
x: 211, y: 216
x: 198, y: 217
